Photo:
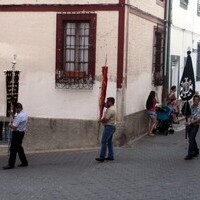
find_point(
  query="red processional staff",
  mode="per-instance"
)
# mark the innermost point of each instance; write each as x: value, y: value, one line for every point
x: 102, y: 94
x: 103, y: 90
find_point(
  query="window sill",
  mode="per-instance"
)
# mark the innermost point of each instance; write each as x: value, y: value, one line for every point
x: 74, y: 74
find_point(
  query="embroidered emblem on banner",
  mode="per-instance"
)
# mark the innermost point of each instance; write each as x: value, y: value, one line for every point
x: 12, y: 89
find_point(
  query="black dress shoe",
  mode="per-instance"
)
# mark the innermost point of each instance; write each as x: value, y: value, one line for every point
x: 188, y: 157
x: 109, y: 158
x: 99, y: 159
x: 8, y: 167
x: 22, y: 165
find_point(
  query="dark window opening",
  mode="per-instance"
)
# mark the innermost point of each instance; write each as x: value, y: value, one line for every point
x: 158, y: 56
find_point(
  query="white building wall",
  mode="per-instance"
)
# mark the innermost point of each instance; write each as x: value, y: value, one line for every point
x: 32, y: 37
x: 150, y: 7
x: 185, y: 34
x: 140, y: 59
x: 139, y: 63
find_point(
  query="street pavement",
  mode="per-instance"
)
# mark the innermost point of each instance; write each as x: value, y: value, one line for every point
x: 152, y: 168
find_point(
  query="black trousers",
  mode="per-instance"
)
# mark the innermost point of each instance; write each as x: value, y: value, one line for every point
x: 16, y: 147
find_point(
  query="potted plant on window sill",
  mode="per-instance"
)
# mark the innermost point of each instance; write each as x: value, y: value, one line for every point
x: 75, y: 74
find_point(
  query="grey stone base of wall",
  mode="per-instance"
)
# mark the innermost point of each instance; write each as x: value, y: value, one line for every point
x: 134, y: 126
x: 54, y: 134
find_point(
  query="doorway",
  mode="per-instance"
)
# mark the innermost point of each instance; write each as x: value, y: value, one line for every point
x: 175, y: 72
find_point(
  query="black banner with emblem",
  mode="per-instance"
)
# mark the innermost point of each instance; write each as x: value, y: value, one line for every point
x: 12, y: 88
x: 187, y: 84
x: 187, y: 89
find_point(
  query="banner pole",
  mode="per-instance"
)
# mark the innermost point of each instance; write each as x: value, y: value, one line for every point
x: 13, y: 82
x: 12, y: 101
x: 4, y: 113
x: 7, y: 134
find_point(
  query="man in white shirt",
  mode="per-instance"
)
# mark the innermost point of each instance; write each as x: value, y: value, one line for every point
x: 18, y: 127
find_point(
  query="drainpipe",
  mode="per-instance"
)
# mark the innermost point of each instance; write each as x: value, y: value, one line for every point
x: 167, y: 69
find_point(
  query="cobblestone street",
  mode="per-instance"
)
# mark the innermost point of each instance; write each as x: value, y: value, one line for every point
x: 152, y: 168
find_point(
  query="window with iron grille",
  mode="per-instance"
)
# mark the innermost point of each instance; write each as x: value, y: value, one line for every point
x: 158, y: 56
x: 75, y: 51
x: 198, y: 7
x: 198, y: 62
x: 184, y: 4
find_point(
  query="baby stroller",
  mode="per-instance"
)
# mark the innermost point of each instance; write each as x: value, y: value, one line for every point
x: 164, y: 118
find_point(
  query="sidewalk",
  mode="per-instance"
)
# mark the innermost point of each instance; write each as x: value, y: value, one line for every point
x: 153, y: 168
x: 4, y: 145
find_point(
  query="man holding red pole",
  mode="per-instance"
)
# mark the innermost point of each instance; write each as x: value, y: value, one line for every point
x: 108, y: 121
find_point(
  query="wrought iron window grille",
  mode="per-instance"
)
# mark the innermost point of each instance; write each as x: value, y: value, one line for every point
x: 74, y: 80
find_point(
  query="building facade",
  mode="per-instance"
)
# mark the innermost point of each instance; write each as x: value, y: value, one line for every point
x: 185, y: 35
x: 61, y: 47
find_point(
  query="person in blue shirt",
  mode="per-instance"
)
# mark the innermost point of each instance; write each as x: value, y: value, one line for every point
x: 193, y: 127
x: 18, y: 127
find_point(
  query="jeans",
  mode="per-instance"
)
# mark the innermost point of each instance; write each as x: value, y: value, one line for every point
x: 192, y: 132
x: 106, y: 141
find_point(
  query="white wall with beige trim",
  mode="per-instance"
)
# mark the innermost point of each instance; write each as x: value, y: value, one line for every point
x: 185, y: 34
x: 150, y: 7
x: 32, y: 37
x: 140, y: 56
